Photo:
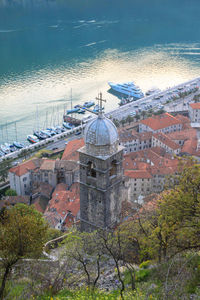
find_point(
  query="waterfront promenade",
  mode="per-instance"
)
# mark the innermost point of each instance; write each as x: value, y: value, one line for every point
x: 152, y: 101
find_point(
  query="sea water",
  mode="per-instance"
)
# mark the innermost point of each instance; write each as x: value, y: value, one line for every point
x: 55, y: 51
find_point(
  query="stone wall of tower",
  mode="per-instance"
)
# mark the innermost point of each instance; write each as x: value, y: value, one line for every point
x: 100, y: 196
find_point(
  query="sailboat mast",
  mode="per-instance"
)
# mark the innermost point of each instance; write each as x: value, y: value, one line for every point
x: 71, y: 98
x: 16, y: 131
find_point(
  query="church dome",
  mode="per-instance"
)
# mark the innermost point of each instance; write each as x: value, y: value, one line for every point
x: 101, y: 136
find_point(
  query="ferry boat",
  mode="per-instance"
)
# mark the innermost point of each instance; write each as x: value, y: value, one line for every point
x: 32, y: 139
x: 127, y: 88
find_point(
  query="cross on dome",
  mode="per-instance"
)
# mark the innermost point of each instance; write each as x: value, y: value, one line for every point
x: 100, y: 100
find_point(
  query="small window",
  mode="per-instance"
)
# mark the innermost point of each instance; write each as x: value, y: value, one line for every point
x: 91, y: 171
x: 113, y: 170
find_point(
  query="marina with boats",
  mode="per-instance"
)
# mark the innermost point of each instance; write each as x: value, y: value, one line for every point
x: 72, y: 121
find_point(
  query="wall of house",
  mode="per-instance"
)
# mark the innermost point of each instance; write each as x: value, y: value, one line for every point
x: 21, y: 184
x: 194, y: 115
x: 139, y: 186
x: 172, y: 128
x: 157, y: 143
x: 136, y: 145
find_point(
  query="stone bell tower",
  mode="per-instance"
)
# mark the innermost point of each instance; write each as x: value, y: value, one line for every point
x: 101, y: 174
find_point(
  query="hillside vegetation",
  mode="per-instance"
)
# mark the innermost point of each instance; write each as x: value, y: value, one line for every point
x: 154, y: 254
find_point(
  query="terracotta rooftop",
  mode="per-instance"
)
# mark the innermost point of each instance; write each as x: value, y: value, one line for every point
x: 163, y: 170
x: 183, y: 119
x: 42, y: 188
x: 137, y: 174
x: 71, y: 148
x: 143, y: 136
x: 190, y: 147
x: 152, y: 160
x: 183, y: 134
x: 63, y: 202
x: 127, y: 135
x: 161, y: 121
x: 195, y: 105
x: 166, y: 140
x: 130, y: 135
x: 25, y: 167
x: 48, y: 164
x: 66, y: 165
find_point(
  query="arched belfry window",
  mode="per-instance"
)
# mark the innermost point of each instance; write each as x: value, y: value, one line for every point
x: 91, y: 169
x: 113, y: 169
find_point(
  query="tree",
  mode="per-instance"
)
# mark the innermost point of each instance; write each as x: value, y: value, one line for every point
x: 10, y: 192
x: 137, y: 117
x: 121, y: 246
x: 22, y: 234
x: 173, y: 223
x: 86, y: 251
x: 129, y: 119
x: 4, y: 167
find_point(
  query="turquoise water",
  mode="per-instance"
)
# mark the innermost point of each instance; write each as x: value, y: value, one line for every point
x: 48, y: 48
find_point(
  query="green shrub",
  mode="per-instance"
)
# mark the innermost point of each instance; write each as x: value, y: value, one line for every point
x: 142, y: 275
x: 145, y: 264
x: 10, y: 192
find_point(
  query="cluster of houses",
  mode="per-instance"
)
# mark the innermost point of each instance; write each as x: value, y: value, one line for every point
x: 151, y: 150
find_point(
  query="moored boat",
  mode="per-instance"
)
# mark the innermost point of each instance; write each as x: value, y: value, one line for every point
x: 89, y: 104
x: 18, y: 145
x: 5, y: 149
x: 40, y: 135
x: 32, y: 139
x: 127, y: 88
x: 81, y: 111
x: 72, y: 111
x: 45, y: 133
x: 67, y: 125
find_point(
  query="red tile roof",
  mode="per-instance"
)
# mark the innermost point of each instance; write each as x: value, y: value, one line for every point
x: 48, y: 164
x: 152, y: 160
x: 71, y: 148
x: 63, y: 201
x: 195, y: 105
x: 161, y: 121
x: 183, y: 134
x: 166, y: 140
x: 24, y: 167
x: 137, y: 174
x: 190, y: 147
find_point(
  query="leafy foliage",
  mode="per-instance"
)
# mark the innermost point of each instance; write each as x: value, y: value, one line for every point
x: 22, y: 234
x: 10, y: 192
